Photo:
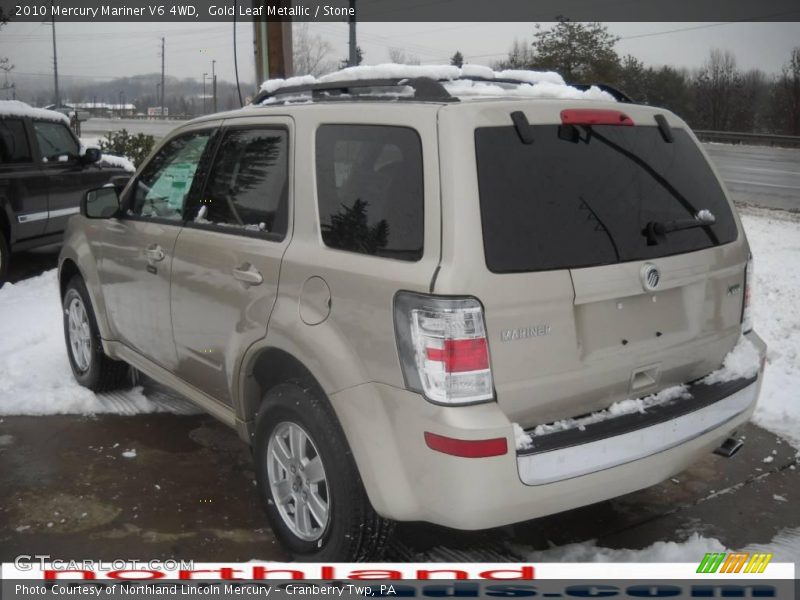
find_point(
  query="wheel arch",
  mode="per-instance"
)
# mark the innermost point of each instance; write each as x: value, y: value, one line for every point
x: 76, y: 259
x: 266, y: 368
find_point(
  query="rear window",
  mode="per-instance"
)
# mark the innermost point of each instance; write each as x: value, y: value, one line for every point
x: 579, y: 197
x: 370, y: 190
x: 14, y: 146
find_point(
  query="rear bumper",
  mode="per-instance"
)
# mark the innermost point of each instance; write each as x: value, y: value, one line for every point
x: 408, y: 481
x: 632, y: 437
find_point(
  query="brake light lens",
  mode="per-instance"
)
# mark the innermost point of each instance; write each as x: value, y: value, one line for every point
x: 747, y: 309
x: 594, y: 116
x: 443, y: 348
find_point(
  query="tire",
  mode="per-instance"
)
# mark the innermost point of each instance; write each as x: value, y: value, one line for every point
x: 90, y: 366
x: 5, y: 255
x: 351, y: 531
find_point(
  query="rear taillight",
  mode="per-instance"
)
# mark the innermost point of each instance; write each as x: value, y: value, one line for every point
x: 443, y: 348
x: 747, y: 309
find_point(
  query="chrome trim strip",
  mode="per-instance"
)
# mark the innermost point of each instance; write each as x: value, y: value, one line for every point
x: 574, y: 461
x: 30, y: 217
x: 38, y: 216
x: 64, y: 212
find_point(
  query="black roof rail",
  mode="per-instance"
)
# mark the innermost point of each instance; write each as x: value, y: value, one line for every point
x: 425, y: 88
x: 618, y: 95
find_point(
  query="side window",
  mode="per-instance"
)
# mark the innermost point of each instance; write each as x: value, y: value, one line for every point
x: 370, y: 190
x: 14, y: 146
x: 166, y: 180
x: 56, y: 142
x: 247, y: 187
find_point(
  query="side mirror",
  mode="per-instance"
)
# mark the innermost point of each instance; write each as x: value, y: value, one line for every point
x: 100, y: 203
x: 91, y: 156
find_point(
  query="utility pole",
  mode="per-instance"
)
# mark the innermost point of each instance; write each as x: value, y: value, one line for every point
x: 353, y: 60
x: 163, y: 56
x: 204, y: 92
x: 214, y: 83
x: 272, y: 46
x: 55, y: 53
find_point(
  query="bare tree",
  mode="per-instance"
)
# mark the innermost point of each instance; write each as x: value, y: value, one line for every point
x: 520, y: 56
x: 5, y: 66
x: 401, y: 57
x: 785, y: 111
x: 716, y: 86
x: 312, y: 53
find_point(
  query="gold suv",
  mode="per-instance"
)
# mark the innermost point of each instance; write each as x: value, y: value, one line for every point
x: 466, y: 299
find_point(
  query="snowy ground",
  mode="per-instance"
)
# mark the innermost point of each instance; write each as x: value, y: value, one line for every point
x: 785, y: 546
x: 35, y: 378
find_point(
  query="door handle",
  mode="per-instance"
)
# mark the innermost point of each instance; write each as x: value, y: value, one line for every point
x: 247, y: 274
x: 154, y: 253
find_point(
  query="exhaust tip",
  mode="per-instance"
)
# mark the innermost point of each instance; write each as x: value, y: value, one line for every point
x: 729, y: 447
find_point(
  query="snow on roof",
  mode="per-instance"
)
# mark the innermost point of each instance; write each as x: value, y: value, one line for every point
x: 464, y: 88
x: 15, y: 108
x: 533, y: 84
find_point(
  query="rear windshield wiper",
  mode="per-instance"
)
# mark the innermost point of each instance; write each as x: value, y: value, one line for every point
x: 656, y: 231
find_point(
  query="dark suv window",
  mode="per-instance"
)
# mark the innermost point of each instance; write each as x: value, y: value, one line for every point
x: 14, y: 147
x: 248, y: 185
x: 55, y: 140
x: 578, y: 197
x: 370, y: 189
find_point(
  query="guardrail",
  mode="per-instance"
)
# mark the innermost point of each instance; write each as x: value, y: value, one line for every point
x: 755, y: 139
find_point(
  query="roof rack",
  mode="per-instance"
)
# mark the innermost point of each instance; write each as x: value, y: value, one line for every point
x: 425, y: 88
x: 618, y: 95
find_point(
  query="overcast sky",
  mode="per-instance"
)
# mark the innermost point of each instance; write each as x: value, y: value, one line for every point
x: 109, y: 50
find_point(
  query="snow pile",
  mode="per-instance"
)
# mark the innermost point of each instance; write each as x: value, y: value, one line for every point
x: 589, y: 551
x: 785, y: 546
x: 740, y: 363
x: 271, y: 85
x: 532, y: 77
x: 522, y: 440
x: 545, y: 89
x: 35, y: 376
x: 112, y: 160
x: 15, y: 108
x: 774, y: 238
x: 533, y: 84
x: 623, y: 407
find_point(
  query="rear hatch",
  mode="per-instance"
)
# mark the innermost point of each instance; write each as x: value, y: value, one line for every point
x: 600, y: 282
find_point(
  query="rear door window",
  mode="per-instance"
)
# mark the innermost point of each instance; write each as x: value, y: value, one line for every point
x: 247, y: 189
x: 14, y: 146
x: 370, y: 189
x: 583, y: 196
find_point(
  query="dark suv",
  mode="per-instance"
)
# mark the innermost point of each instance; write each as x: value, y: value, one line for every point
x: 43, y: 176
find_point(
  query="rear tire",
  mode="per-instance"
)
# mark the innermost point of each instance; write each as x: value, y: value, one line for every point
x: 90, y: 365
x: 5, y: 255
x: 309, y: 483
